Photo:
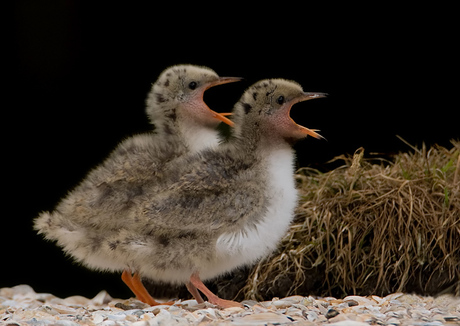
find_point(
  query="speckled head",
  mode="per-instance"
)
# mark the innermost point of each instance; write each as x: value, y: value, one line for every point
x: 266, y: 106
x: 179, y: 92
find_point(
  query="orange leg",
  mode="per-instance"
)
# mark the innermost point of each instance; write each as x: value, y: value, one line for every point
x: 212, y: 298
x: 194, y: 291
x: 128, y: 280
x: 135, y: 284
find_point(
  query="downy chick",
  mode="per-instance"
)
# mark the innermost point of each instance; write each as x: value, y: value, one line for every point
x: 183, y: 124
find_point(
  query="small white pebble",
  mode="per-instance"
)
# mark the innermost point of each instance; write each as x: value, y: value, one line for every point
x: 349, y: 323
x: 65, y: 323
x: 140, y: 323
x: 311, y: 315
x: 98, y: 318
x: 108, y: 323
x: 116, y: 317
x: 393, y: 321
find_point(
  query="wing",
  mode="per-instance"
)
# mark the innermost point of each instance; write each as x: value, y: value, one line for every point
x: 137, y: 159
x: 108, y: 192
x: 214, y: 194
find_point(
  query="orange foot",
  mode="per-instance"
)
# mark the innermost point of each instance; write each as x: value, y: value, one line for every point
x: 135, y: 284
x: 212, y: 298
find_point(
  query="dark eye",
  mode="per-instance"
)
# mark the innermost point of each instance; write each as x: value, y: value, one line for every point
x: 280, y: 99
x: 192, y: 85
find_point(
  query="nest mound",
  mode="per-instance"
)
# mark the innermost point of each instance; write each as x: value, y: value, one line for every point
x: 371, y: 226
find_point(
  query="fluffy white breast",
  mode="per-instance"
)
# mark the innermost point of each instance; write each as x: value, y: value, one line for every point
x: 242, y: 248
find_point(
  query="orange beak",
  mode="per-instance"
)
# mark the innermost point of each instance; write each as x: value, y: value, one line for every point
x: 221, y: 81
x: 220, y: 117
x: 305, y: 97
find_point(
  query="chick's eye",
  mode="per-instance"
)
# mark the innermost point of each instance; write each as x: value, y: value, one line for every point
x: 280, y: 99
x: 192, y: 85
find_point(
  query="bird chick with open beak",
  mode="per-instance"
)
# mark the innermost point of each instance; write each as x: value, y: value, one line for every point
x: 183, y: 124
x: 220, y: 208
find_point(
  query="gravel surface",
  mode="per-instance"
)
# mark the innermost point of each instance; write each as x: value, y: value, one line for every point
x: 21, y: 305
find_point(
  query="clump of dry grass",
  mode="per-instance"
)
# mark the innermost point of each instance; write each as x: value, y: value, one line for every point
x: 371, y: 227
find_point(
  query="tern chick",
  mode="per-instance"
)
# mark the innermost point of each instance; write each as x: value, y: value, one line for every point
x: 183, y: 124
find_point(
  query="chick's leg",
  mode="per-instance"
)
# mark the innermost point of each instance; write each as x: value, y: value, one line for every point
x: 135, y: 284
x: 194, y: 291
x: 212, y: 298
x: 127, y: 278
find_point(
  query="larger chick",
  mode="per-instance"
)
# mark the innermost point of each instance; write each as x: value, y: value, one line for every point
x: 220, y: 208
x: 183, y: 124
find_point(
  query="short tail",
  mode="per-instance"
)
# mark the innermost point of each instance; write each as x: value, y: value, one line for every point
x: 83, y: 246
x: 54, y: 227
x: 44, y: 224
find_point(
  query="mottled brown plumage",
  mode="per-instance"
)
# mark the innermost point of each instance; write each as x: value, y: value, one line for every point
x: 183, y: 124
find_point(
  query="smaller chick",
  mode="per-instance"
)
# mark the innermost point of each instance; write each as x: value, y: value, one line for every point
x: 183, y: 124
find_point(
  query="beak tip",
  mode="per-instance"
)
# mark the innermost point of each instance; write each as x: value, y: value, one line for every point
x: 226, y: 80
x: 314, y: 95
x: 224, y: 119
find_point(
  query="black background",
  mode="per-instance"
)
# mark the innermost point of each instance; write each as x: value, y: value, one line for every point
x: 80, y: 72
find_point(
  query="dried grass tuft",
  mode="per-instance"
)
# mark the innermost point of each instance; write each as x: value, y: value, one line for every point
x: 372, y: 226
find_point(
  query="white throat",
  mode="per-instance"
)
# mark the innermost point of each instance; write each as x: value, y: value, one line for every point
x: 198, y: 138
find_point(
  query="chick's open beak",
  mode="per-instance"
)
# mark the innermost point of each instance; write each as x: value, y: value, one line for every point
x: 221, y: 81
x: 305, y: 97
